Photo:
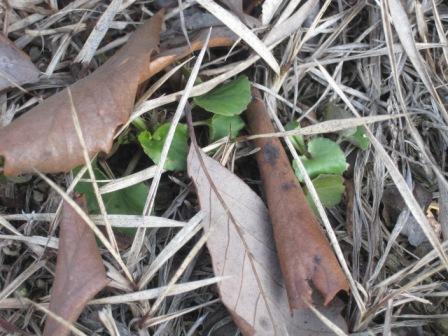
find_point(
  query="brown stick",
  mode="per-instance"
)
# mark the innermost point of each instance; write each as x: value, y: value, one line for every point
x: 304, y: 251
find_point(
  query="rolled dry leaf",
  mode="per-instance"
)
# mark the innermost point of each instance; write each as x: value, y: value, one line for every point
x: 303, y: 250
x: 177, y: 49
x: 80, y: 273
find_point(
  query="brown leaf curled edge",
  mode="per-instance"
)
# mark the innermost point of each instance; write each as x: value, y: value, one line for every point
x: 80, y: 273
x: 304, y: 252
x: 16, y: 67
x: 242, y: 248
x: 103, y: 102
x: 44, y: 138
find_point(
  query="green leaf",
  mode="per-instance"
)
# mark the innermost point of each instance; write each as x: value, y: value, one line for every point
x: 297, y: 140
x: 229, y: 99
x: 326, y: 158
x: 153, y: 145
x: 128, y: 201
x: 221, y: 126
x: 358, y: 138
x: 330, y: 189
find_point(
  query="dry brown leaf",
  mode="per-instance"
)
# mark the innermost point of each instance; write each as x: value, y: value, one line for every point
x: 110, y: 92
x: 242, y: 247
x: 45, y: 139
x: 16, y: 67
x: 80, y: 273
x: 303, y: 250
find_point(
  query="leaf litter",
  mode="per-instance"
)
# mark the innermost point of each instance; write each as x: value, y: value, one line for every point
x: 395, y: 287
x: 241, y: 246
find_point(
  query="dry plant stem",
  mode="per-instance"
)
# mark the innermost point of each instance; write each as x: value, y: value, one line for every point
x: 303, y: 250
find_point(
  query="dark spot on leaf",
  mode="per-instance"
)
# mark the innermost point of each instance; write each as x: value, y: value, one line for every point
x: 288, y: 186
x: 270, y: 154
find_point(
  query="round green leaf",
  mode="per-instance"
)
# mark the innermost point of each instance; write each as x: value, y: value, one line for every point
x: 326, y: 158
x: 229, y: 99
x: 153, y: 145
x: 221, y: 126
x: 330, y: 189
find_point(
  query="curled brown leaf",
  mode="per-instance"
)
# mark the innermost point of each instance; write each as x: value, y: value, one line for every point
x: 80, y: 273
x: 176, y: 49
x: 303, y: 250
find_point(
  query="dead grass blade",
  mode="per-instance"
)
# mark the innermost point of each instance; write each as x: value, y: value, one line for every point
x: 89, y: 222
x: 396, y: 176
x: 87, y: 52
x: 88, y: 164
x: 179, y: 240
x: 242, y: 31
x: 404, y: 31
x: 154, y: 293
x: 15, y: 283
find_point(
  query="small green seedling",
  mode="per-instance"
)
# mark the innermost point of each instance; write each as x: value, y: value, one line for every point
x: 226, y: 102
x: 153, y: 145
x: 325, y: 163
